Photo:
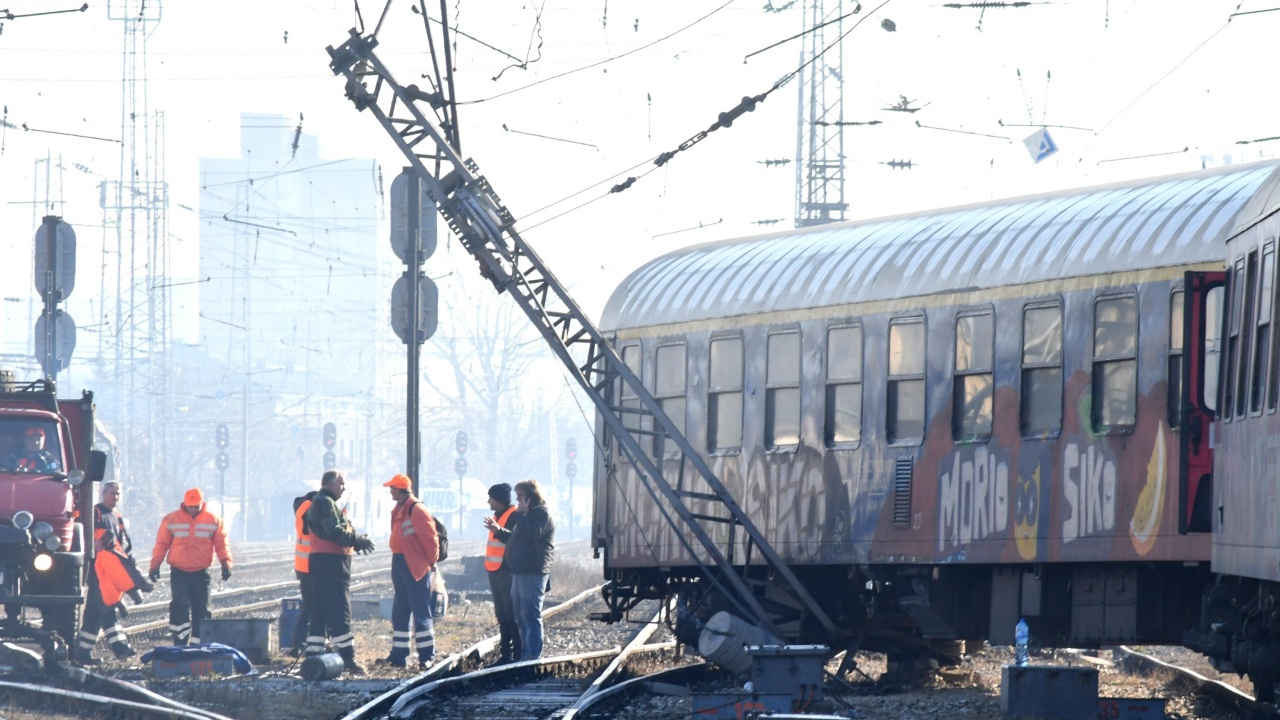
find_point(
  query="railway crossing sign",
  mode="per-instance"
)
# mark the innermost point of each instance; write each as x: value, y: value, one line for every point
x: 1040, y: 145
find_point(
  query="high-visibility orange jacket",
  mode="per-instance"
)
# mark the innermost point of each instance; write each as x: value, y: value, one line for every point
x: 413, y: 534
x: 109, y: 570
x: 302, y: 545
x: 495, y: 549
x: 190, y: 542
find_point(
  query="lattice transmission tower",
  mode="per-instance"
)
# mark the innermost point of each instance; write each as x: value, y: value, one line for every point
x: 138, y: 204
x: 820, y: 133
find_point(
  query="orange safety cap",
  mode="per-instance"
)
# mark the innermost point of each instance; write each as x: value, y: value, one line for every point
x: 193, y: 497
x: 400, y: 482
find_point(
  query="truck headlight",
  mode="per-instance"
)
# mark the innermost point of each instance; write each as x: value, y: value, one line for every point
x: 23, y: 519
x: 41, y: 531
x: 42, y: 562
x: 75, y: 477
x: 52, y: 543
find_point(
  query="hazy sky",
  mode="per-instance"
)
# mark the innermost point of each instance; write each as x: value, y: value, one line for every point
x: 1139, y: 77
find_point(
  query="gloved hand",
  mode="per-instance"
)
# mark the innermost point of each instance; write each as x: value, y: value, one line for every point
x: 364, y: 545
x: 154, y: 575
x: 226, y: 572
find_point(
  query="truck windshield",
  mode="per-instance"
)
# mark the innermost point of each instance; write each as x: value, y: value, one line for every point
x: 29, y: 446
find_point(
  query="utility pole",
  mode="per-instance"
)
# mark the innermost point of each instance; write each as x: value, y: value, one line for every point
x: 820, y: 132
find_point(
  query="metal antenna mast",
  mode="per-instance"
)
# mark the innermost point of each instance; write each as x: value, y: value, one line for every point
x: 140, y: 202
x: 820, y: 132
x: 715, y: 534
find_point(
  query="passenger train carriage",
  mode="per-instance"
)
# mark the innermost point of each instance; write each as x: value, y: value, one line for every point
x: 949, y: 420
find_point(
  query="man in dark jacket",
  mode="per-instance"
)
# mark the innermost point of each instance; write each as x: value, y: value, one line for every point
x: 332, y: 540
x: 529, y: 554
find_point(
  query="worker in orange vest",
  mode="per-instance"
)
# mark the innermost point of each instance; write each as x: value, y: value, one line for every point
x: 189, y: 537
x: 115, y: 575
x: 302, y: 569
x: 504, y: 514
x: 414, y: 550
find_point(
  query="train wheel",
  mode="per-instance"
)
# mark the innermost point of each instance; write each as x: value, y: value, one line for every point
x: 64, y: 620
x: 1262, y: 673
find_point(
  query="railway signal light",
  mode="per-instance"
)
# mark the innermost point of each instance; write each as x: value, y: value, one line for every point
x: 571, y: 470
x: 329, y: 460
x: 330, y: 436
x: 571, y: 448
x: 222, y: 461
x: 460, y: 466
x: 222, y: 437
x: 460, y: 443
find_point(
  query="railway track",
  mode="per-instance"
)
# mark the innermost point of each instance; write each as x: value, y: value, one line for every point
x: 79, y: 693
x: 1135, y: 661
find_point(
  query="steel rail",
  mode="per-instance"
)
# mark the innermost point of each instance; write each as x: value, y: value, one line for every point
x: 1216, y: 688
x: 46, y: 692
x: 473, y: 653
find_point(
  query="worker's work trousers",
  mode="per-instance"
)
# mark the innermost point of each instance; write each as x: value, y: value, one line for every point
x: 413, y: 597
x: 190, y: 604
x: 331, y: 604
x: 300, y: 629
x: 100, y: 618
x: 509, y: 645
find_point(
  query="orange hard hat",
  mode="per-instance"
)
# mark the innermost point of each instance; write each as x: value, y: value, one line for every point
x: 193, y: 497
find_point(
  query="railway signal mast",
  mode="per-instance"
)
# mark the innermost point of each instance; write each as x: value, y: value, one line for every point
x: 722, y: 542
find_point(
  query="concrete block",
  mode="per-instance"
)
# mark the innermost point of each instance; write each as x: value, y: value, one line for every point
x: 255, y: 637
x: 1049, y: 692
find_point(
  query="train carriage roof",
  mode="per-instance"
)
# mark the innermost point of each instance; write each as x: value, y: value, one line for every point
x: 1143, y: 224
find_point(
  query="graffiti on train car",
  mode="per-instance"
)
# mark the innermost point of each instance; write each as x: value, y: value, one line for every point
x: 1026, y: 514
x: 801, y: 506
x: 1148, y: 511
x: 1089, y: 488
x: 974, y: 497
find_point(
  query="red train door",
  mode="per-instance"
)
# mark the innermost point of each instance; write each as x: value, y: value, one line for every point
x: 1201, y: 350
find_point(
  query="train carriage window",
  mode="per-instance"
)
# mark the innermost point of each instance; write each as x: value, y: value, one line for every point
x: 842, y: 426
x: 1041, y: 402
x: 782, y: 391
x: 1213, y: 301
x: 1235, y: 284
x: 905, y: 396
x: 724, y: 397
x: 1262, y: 333
x: 669, y: 389
x: 1177, y: 311
x: 1115, y: 363
x: 971, y: 399
x: 631, y: 358
x: 1245, y: 334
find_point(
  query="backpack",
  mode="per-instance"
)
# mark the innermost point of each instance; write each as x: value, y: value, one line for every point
x: 442, y: 539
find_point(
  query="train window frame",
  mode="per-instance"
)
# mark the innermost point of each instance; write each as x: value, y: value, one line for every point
x: 1273, y: 369
x: 1227, y: 371
x: 1098, y: 363
x: 714, y: 392
x: 832, y: 385
x: 891, y: 382
x: 775, y: 387
x: 1262, y: 330
x: 1025, y: 368
x: 1176, y: 355
x: 1249, y: 300
x: 960, y: 378
x: 673, y: 397
x: 626, y: 398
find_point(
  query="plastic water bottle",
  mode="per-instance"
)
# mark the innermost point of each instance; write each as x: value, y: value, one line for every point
x: 1020, y: 635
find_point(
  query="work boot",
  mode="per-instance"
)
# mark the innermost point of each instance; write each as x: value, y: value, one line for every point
x: 84, y: 658
x: 123, y: 650
x: 349, y: 664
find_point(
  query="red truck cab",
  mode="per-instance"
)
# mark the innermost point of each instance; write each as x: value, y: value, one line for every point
x: 47, y: 467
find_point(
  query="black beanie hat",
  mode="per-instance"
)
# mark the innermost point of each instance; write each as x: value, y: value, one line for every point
x: 501, y: 492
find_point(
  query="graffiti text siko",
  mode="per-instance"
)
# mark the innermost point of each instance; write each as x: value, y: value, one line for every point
x: 974, y: 499
x: 1089, y: 485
